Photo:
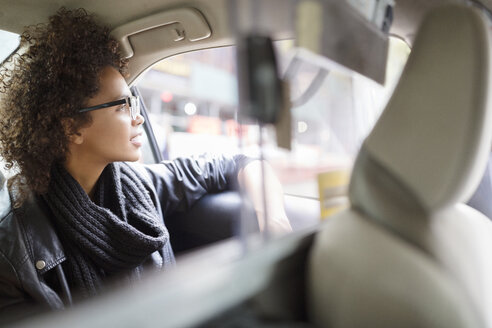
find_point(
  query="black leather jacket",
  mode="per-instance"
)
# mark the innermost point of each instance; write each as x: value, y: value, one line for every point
x: 31, y: 255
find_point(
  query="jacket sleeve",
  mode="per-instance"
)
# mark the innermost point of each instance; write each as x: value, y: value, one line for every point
x: 181, y: 182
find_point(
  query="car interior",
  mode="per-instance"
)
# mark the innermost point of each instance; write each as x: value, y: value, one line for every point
x: 381, y: 235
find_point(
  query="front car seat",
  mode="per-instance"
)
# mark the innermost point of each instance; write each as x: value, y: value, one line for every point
x: 408, y: 253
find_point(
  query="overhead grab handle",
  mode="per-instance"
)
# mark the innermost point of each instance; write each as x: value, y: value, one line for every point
x: 192, y: 26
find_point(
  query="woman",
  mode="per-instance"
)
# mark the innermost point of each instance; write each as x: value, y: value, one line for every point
x: 80, y: 214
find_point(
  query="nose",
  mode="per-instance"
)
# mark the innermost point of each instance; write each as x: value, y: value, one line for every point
x: 139, y: 120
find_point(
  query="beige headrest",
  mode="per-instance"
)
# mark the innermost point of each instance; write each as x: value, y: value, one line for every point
x: 434, y: 137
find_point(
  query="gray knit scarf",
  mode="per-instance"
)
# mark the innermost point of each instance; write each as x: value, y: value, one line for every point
x: 112, y: 235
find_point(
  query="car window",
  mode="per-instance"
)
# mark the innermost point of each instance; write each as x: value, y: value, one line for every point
x: 191, y: 99
x: 9, y: 42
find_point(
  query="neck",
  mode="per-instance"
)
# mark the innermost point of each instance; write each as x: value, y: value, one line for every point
x: 85, y: 171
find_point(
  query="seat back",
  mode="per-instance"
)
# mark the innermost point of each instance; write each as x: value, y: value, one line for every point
x: 407, y: 253
x: 217, y: 217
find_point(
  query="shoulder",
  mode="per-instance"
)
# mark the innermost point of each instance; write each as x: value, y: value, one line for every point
x: 18, y: 276
x: 27, y: 235
x: 13, y: 252
x: 10, y: 233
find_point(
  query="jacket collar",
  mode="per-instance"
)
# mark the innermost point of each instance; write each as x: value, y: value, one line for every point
x: 44, y: 247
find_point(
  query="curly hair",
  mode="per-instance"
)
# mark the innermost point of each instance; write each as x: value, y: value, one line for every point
x: 43, y: 87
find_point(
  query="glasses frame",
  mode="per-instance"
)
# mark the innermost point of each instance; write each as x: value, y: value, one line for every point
x: 133, y: 103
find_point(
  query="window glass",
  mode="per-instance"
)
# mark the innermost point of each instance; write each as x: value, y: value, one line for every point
x: 192, y: 101
x: 330, y: 126
x: 9, y: 42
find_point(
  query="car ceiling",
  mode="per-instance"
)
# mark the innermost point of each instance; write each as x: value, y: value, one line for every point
x: 15, y: 15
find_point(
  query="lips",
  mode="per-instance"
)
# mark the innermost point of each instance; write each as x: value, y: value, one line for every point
x: 137, y: 139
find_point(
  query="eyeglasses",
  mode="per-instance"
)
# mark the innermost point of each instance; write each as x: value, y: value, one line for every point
x: 132, y: 103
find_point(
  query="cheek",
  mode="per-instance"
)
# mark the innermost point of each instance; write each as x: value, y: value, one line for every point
x: 109, y: 133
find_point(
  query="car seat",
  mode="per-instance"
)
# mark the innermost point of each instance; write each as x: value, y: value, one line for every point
x: 216, y: 217
x: 407, y: 253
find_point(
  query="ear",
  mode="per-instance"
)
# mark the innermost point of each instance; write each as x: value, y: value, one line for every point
x: 74, y: 136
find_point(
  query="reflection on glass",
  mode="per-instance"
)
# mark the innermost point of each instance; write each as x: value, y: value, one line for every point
x: 192, y: 103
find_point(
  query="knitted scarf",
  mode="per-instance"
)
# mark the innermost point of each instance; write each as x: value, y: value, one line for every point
x: 111, y: 235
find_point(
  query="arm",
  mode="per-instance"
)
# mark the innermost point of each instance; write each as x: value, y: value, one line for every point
x: 250, y: 178
x: 181, y: 182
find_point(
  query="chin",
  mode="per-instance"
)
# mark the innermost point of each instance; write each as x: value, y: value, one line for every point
x: 132, y: 157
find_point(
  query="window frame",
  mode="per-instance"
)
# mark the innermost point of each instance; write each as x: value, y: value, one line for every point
x: 147, y: 126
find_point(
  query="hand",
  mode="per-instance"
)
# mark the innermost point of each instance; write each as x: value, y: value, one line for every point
x: 250, y: 179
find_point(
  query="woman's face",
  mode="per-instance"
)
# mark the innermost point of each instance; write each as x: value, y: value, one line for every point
x: 113, y: 135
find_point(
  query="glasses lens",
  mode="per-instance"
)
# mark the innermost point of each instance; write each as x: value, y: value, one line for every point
x: 137, y: 106
x: 134, y: 110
